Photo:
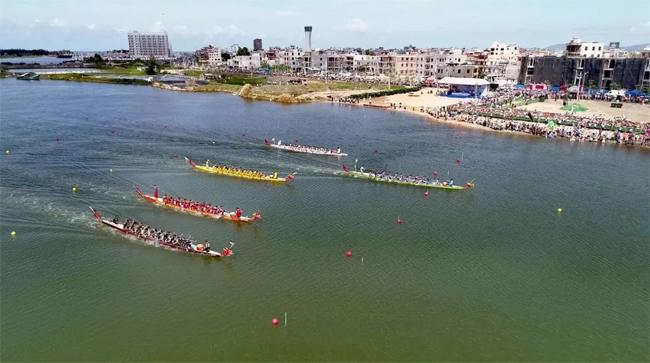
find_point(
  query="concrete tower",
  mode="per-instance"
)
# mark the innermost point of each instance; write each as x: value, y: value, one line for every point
x: 308, y: 38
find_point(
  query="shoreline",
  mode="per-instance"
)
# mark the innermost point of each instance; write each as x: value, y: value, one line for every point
x: 468, y: 125
x: 306, y: 98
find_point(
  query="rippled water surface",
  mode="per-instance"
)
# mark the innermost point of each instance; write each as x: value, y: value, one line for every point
x: 492, y: 274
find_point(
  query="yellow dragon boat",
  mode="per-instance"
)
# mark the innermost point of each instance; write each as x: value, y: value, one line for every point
x: 240, y: 173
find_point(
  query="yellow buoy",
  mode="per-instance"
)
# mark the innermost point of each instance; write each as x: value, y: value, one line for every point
x: 74, y: 189
x: 110, y: 170
x: 559, y: 210
x: 7, y: 151
x: 13, y: 233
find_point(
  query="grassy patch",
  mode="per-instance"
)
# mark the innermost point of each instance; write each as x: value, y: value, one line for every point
x: 215, y: 86
x: 77, y: 77
x: 192, y: 73
x: 574, y: 107
x: 386, y: 92
x: 242, y: 79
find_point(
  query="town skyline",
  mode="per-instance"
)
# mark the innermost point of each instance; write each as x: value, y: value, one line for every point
x: 64, y: 24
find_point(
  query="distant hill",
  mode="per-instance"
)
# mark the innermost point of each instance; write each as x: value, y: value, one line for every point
x: 556, y: 47
x: 636, y: 48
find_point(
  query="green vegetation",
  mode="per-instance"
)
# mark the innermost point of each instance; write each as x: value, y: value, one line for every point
x: 77, y: 77
x: 280, y: 68
x: 242, y: 79
x: 19, y: 52
x: 152, y: 67
x: 574, y: 107
x: 215, y: 86
x: 388, y: 92
x: 225, y: 56
x: 243, y: 51
x: 97, y: 60
x: 522, y: 101
x: 192, y: 73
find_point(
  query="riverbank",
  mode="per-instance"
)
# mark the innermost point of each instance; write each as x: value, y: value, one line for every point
x: 283, y: 92
x: 427, y: 103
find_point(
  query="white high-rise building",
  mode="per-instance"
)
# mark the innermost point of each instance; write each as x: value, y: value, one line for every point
x: 147, y: 45
x: 308, y: 38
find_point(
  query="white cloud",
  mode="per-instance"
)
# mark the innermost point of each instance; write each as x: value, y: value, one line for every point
x: 91, y: 26
x: 356, y: 25
x: 231, y: 30
x: 56, y: 22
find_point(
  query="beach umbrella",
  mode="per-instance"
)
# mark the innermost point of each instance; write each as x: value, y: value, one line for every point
x: 551, y: 125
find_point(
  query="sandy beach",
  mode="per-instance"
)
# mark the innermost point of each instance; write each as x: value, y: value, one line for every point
x: 631, y: 111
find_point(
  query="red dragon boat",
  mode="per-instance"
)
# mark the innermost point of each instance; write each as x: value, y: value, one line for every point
x: 203, y: 210
x: 162, y: 239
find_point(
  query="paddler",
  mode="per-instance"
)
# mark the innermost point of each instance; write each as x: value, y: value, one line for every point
x: 238, y: 213
x: 451, y: 182
x: 155, y: 192
x: 275, y: 175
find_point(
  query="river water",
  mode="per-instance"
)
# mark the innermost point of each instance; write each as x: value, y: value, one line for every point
x: 492, y: 274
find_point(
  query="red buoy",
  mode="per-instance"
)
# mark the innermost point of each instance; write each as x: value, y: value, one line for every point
x: 426, y: 194
x: 275, y: 321
x: 399, y: 220
x: 348, y: 253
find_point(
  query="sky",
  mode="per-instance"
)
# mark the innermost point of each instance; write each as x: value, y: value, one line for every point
x: 85, y: 25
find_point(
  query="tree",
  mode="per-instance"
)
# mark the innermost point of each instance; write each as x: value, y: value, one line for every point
x: 97, y: 59
x: 225, y: 56
x: 152, y: 66
x: 243, y: 51
x: 367, y: 52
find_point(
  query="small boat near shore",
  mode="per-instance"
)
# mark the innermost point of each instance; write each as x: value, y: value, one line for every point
x: 240, y: 173
x: 304, y: 149
x: 404, y: 180
x: 161, y: 239
x: 29, y: 76
x: 199, y: 209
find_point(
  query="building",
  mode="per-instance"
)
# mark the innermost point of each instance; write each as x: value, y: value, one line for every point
x: 148, y: 45
x: 257, y: 44
x: 209, y: 56
x: 628, y: 73
x: 246, y: 62
x: 464, y: 87
x: 576, y: 48
x: 503, y: 63
x: 307, y: 38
